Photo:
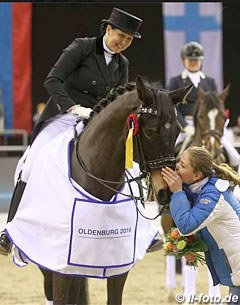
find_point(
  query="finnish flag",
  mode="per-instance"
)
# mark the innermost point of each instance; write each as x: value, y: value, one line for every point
x: 193, y: 21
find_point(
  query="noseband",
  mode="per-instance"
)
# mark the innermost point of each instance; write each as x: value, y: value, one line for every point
x: 212, y: 133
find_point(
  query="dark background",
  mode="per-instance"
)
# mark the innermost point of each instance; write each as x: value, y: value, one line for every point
x: 55, y: 25
x: 231, y: 56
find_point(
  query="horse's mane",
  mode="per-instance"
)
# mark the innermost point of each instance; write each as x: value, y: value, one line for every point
x: 104, y: 102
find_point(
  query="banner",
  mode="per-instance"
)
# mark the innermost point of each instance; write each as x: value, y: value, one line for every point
x: 193, y: 21
x: 16, y: 67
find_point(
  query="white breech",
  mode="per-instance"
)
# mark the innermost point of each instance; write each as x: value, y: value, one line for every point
x: 189, y: 279
x: 233, y: 155
x: 213, y: 291
x: 189, y: 275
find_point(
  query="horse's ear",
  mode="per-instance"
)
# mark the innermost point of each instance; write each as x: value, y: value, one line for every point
x: 144, y: 92
x: 200, y: 92
x: 180, y: 94
x: 222, y: 96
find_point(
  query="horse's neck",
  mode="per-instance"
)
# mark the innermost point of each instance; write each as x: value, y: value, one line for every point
x: 102, y: 149
x: 197, y: 139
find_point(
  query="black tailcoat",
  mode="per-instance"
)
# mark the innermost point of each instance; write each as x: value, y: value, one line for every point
x: 81, y: 76
x: 207, y: 84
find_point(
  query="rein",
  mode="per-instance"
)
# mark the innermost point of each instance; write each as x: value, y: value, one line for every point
x: 104, y: 181
x: 145, y: 166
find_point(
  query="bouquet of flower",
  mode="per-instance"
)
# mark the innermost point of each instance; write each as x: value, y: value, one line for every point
x: 179, y: 246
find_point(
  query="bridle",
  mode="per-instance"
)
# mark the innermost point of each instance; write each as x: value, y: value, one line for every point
x: 212, y: 133
x: 148, y: 166
x: 145, y: 166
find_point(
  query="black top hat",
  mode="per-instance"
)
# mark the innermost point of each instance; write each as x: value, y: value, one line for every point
x: 124, y: 21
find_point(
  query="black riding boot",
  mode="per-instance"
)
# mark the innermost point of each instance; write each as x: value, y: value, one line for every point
x: 5, y: 243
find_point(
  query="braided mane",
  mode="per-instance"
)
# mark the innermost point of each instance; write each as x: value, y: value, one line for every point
x: 104, y: 102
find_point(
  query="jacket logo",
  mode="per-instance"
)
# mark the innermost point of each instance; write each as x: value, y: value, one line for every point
x: 204, y: 201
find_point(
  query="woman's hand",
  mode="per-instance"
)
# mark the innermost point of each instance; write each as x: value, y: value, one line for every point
x: 172, y: 179
x: 80, y: 112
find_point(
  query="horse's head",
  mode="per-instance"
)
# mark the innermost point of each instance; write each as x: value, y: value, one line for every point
x: 209, y: 121
x: 158, y: 130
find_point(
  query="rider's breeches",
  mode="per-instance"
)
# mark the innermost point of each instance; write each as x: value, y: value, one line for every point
x: 233, y: 155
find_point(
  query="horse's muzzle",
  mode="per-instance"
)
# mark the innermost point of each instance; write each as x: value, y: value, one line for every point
x: 163, y: 197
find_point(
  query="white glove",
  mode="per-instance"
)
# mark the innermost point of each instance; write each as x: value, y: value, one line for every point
x: 79, y: 111
x: 226, y: 123
x: 189, y: 130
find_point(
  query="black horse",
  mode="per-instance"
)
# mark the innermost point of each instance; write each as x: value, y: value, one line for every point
x: 98, y: 163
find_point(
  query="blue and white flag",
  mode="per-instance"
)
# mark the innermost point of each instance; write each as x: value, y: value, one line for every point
x: 193, y: 21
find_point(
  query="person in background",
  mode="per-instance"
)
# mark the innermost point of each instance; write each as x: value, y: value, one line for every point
x: 236, y: 127
x: 203, y: 202
x: 87, y: 70
x: 39, y: 109
x: 192, y: 55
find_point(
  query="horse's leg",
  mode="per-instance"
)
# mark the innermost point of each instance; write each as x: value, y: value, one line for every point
x: 48, y: 288
x: 61, y: 285
x: 78, y: 292
x: 115, y: 287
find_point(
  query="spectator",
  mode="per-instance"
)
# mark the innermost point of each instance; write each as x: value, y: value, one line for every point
x: 203, y: 202
x: 192, y: 56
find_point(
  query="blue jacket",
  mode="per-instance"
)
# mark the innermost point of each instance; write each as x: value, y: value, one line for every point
x: 209, y: 207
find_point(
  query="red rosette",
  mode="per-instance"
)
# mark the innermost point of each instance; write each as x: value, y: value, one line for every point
x: 132, y: 121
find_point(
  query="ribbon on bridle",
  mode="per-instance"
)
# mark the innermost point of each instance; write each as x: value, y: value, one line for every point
x: 133, y: 128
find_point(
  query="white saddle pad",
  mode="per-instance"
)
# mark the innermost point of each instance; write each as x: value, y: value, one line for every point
x: 62, y: 228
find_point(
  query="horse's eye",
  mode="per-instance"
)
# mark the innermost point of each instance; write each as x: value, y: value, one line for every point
x: 150, y: 132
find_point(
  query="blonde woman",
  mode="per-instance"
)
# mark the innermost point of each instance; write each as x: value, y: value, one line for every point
x: 203, y: 202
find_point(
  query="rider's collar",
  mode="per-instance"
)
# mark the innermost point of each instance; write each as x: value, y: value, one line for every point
x: 197, y: 187
x: 185, y: 74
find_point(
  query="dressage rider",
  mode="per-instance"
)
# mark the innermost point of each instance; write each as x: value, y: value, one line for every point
x: 192, y: 55
x: 87, y: 70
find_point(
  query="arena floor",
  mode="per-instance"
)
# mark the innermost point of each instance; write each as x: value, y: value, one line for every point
x: 145, y: 283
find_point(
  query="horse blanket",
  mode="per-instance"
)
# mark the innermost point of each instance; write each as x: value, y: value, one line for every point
x: 62, y: 228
